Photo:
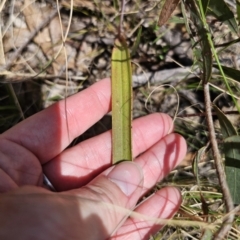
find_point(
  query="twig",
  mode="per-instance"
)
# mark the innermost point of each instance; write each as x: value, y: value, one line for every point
x: 120, y: 30
x: 34, y: 33
x: 227, y: 224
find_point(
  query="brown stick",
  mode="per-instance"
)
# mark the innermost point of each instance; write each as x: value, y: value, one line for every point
x: 227, y: 224
x: 120, y: 30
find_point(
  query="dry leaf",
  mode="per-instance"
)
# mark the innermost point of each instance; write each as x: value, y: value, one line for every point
x: 168, y: 6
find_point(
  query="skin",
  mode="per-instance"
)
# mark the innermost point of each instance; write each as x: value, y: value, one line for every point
x: 93, y: 198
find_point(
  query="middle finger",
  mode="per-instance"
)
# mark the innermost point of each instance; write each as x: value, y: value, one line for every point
x: 78, y: 165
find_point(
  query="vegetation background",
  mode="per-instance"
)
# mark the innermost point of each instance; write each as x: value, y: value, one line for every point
x: 51, y: 49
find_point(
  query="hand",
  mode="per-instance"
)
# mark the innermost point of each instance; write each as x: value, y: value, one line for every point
x: 93, y: 198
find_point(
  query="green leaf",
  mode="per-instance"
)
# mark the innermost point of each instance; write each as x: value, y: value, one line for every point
x: 226, y: 126
x: 222, y: 12
x: 238, y: 10
x: 231, y: 72
x: 231, y: 148
x: 121, y: 102
x: 235, y: 143
x: 207, y: 58
x: 205, y: 4
x: 232, y: 166
x: 136, y: 43
x: 196, y: 160
x: 203, y: 38
x: 187, y: 24
x: 166, y: 9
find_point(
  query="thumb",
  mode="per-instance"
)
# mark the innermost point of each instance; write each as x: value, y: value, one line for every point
x: 110, y: 196
x: 92, y: 212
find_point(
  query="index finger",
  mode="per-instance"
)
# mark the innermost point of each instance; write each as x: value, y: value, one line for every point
x: 50, y: 131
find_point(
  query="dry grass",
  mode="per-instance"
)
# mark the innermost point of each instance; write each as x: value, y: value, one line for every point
x: 52, y: 52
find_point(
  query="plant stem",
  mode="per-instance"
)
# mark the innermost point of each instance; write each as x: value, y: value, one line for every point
x: 120, y: 30
x: 227, y: 224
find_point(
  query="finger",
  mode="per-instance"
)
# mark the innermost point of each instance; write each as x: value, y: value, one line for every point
x: 161, y: 158
x: 50, y: 131
x: 75, y: 167
x: 162, y: 205
x: 110, y: 196
x: 92, y: 212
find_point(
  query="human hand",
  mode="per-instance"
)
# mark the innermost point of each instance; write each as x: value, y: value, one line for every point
x: 93, y: 197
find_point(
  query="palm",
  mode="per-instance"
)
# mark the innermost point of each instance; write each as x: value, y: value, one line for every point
x: 39, y: 143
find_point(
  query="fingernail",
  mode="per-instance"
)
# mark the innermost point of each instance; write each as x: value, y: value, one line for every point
x: 127, y: 176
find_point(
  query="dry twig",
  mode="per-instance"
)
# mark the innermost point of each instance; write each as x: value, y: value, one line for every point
x: 227, y: 224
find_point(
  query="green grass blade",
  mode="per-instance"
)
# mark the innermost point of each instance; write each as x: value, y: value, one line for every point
x: 121, y: 102
x: 136, y: 43
x: 205, y: 4
x: 222, y: 12
x: 206, y: 27
x: 198, y: 18
x: 231, y: 72
x: 238, y: 10
x: 227, y: 128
